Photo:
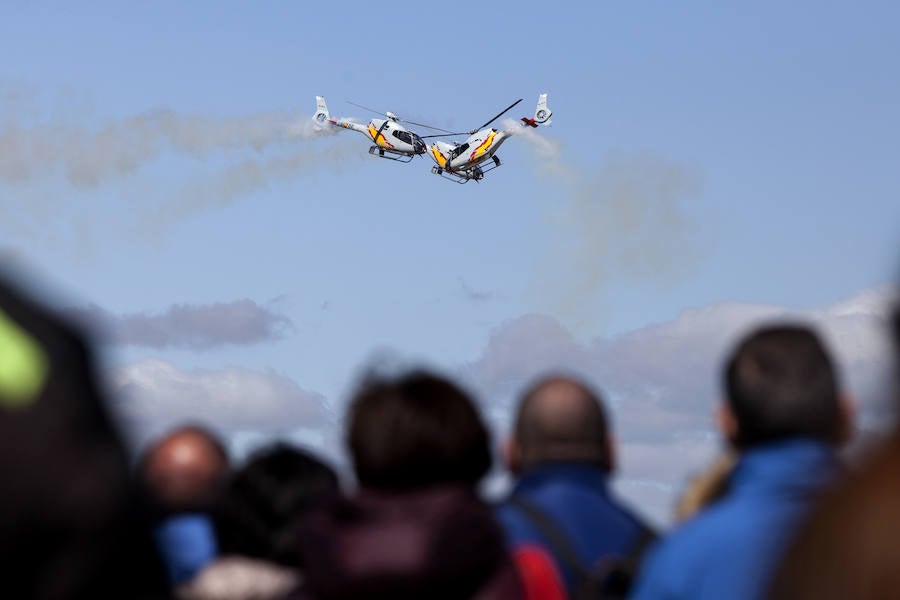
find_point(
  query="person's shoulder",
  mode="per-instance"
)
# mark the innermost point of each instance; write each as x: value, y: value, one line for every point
x: 671, y: 562
x: 515, y: 525
x: 697, y: 538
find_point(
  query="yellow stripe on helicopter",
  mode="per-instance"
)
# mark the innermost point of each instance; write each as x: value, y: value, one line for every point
x: 438, y: 156
x: 483, y: 147
x: 378, y: 138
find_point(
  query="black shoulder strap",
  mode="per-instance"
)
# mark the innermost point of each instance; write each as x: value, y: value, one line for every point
x: 559, y: 541
x: 644, y: 540
x: 630, y: 563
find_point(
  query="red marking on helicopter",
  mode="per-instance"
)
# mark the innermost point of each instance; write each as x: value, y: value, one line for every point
x: 482, y: 148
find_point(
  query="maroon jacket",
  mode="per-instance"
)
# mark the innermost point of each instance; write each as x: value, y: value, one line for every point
x: 440, y: 543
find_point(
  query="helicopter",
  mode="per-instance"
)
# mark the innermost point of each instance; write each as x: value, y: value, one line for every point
x: 391, y: 139
x: 464, y: 162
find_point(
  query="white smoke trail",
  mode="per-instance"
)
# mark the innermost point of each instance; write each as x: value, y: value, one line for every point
x: 243, y: 178
x: 547, y: 152
x: 89, y: 157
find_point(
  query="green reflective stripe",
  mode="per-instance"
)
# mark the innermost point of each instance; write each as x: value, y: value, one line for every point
x: 23, y: 365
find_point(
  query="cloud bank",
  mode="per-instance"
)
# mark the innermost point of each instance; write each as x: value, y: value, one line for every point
x: 188, y: 326
x: 153, y: 395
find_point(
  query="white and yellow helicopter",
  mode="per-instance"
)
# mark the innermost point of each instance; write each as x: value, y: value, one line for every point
x: 464, y: 162
x: 391, y: 139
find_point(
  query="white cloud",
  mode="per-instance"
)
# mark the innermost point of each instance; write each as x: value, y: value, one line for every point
x: 153, y: 395
x: 191, y: 326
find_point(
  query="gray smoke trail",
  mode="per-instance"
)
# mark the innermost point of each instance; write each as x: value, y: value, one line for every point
x: 88, y: 157
x: 623, y: 220
x: 243, y: 178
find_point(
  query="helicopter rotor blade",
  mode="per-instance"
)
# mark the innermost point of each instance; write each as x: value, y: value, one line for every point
x: 428, y: 127
x: 377, y: 112
x: 425, y: 137
x: 396, y: 118
x: 500, y: 114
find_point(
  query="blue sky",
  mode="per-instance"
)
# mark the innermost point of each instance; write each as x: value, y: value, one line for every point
x: 702, y: 155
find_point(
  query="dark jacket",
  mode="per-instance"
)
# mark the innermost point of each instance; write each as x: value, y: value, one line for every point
x: 576, y: 498
x: 731, y: 549
x: 440, y: 543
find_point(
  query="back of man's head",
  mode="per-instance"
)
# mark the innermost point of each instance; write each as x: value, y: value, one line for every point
x: 780, y: 383
x: 184, y: 471
x: 560, y: 419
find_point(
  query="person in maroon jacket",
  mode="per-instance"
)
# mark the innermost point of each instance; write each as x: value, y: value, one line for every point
x: 415, y: 528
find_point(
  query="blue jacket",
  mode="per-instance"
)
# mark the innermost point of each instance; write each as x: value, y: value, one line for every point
x: 575, y: 496
x: 187, y: 543
x: 731, y: 549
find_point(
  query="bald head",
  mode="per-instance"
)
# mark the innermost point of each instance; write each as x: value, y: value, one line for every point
x: 184, y: 470
x: 561, y: 419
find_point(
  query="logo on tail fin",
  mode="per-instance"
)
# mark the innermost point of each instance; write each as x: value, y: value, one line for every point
x: 321, y: 111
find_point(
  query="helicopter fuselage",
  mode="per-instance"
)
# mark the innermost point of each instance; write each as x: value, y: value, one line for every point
x: 479, y: 147
x: 388, y: 135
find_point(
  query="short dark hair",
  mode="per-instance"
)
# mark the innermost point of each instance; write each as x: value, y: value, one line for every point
x: 416, y: 430
x: 264, y: 502
x: 781, y: 383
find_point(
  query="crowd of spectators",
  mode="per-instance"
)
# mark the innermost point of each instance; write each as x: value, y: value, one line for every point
x: 778, y: 515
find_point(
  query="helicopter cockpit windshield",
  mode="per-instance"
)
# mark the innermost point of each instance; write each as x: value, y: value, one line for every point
x: 458, y: 150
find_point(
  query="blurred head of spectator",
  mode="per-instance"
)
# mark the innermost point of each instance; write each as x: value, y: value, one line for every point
x: 257, y: 522
x: 780, y: 383
x: 265, y: 500
x: 415, y: 432
x: 562, y: 452
x: 560, y: 419
x: 183, y: 474
x: 71, y: 524
x: 416, y: 528
x: 184, y: 470
x: 785, y: 417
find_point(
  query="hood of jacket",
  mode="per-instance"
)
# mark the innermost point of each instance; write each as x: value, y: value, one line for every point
x: 437, y: 543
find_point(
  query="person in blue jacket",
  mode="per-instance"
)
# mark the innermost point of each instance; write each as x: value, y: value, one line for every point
x: 784, y: 415
x: 562, y: 452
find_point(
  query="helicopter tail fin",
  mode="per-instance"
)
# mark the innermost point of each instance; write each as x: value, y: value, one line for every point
x: 322, y: 114
x: 542, y: 112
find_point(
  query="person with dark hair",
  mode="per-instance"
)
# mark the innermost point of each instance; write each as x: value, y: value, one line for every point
x: 562, y: 452
x: 256, y: 521
x: 849, y: 547
x: 785, y: 418
x: 182, y: 475
x: 71, y: 522
x: 415, y: 528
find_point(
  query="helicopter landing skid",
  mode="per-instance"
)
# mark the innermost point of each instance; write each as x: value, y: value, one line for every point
x: 380, y: 152
x: 475, y: 173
